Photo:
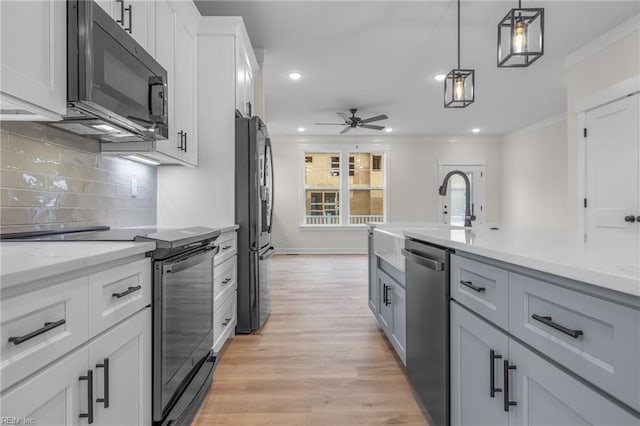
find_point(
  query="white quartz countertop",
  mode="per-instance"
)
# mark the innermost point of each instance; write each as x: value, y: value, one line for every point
x: 605, y: 259
x: 26, y: 261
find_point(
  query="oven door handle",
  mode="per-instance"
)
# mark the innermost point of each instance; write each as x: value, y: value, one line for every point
x: 190, y: 261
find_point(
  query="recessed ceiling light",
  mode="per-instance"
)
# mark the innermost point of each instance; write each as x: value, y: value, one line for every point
x: 295, y: 75
x: 388, y: 129
x: 452, y: 140
x: 475, y: 130
x: 301, y: 129
x: 439, y: 77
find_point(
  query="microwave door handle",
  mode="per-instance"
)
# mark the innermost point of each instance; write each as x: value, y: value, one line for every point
x: 157, y: 99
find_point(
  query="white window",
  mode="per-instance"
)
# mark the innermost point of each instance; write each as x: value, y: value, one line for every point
x: 343, y: 185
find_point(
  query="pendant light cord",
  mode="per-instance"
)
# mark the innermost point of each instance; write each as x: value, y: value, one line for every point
x: 458, y: 34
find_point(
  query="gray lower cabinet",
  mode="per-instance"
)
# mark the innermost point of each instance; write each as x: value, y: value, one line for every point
x: 533, y: 392
x: 373, y: 281
x: 546, y: 395
x: 392, y: 311
x: 477, y: 351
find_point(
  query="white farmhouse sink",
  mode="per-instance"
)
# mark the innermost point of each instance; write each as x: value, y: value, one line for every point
x: 388, y: 244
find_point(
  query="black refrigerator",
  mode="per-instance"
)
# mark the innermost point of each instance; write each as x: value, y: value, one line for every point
x: 254, y: 213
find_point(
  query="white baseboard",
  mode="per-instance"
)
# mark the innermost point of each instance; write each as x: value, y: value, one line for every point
x: 341, y: 250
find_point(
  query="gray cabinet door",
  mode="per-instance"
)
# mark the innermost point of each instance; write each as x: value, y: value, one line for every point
x: 373, y: 280
x: 472, y: 341
x: 398, y: 328
x: 385, y: 310
x: 545, y: 395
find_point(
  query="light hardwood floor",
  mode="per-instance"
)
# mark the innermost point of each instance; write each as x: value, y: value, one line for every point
x: 319, y: 360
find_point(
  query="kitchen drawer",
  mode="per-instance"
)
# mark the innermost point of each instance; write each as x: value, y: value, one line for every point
x: 64, y: 304
x: 486, y: 291
x: 224, y: 322
x: 118, y: 292
x: 228, y: 244
x: 224, y: 281
x: 604, y: 345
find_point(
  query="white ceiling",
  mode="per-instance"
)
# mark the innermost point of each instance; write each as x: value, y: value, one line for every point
x: 381, y: 56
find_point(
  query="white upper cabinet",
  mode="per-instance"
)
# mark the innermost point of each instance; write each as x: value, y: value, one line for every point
x: 246, y: 67
x: 176, y: 28
x: 136, y: 17
x: 33, y: 84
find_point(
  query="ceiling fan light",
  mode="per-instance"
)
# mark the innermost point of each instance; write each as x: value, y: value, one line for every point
x: 459, y: 88
x: 520, y: 37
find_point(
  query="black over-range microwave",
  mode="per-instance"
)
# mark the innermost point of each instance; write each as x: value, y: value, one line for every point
x: 116, y: 91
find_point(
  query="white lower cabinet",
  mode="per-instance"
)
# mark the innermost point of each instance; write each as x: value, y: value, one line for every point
x: 55, y: 396
x: 74, y: 390
x: 497, y: 381
x: 122, y: 355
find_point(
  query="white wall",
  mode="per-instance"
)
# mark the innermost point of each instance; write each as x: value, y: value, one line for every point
x: 534, y: 172
x: 412, y: 190
x: 205, y: 195
x: 616, y: 62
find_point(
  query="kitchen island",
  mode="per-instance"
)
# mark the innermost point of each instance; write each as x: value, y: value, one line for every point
x: 555, y: 314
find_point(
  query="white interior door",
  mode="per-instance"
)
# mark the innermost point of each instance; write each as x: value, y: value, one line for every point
x: 612, y: 169
x: 452, y: 206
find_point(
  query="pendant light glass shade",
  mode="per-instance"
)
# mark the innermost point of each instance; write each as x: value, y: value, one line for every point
x: 458, y: 88
x: 459, y: 83
x: 520, y: 37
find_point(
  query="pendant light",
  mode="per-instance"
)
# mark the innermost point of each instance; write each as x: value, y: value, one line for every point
x: 459, y: 83
x: 520, y: 37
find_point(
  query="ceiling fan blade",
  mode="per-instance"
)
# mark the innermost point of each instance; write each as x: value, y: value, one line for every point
x: 376, y: 118
x: 369, y: 126
x: 345, y: 130
x: 329, y: 124
x: 344, y: 116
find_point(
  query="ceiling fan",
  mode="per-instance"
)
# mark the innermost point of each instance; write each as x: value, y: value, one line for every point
x: 353, y: 121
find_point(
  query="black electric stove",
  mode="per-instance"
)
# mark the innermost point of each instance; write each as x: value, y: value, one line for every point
x: 168, y: 241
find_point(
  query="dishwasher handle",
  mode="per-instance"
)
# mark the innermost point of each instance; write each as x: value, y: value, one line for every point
x: 423, y: 261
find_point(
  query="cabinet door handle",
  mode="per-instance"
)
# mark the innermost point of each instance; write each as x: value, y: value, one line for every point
x: 130, y: 10
x: 47, y: 326
x: 185, y: 141
x: 548, y: 322
x: 492, y: 371
x: 472, y: 287
x: 126, y: 292
x: 507, y: 403
x: 226, y: 247
x: 89, y: 414
x: 121, y: 20
x: 181, y: 135
x: 105, y: 365
x: 226, y: 321
x: 386, y: 293
x: 226, y: 280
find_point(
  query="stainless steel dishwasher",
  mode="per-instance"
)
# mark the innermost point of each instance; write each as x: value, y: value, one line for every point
x: 427, y: 333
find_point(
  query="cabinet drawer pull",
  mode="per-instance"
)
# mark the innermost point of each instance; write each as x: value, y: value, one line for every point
x: 548, y: 322
x: 226, y: 280
x: 492, y: 371
x: 507, y: 403
x: 47, y: 326
x: 226, y: 321
x: 105, y: 365
x: 472, y: 287
x: 89, y: 414
x: 185, y: 141
x: 127, y: 291
x: 226, y: 247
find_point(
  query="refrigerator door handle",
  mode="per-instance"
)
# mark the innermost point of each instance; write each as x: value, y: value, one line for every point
x: 268, y: 253
x: 270, y: 188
